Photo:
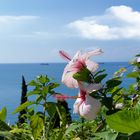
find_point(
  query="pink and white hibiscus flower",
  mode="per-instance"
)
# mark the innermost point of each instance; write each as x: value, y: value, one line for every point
x: 78, y: 62
x: 85, y: 105
x: 138, y: 59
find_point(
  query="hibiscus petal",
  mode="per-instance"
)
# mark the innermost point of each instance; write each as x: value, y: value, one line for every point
x: 93, y: 87
x: 92, y: 66
x: 67, y: 78
x: 89, y: 108
x: 76, y: 105
x: 76, y: 56
x: 92, y: 53
x: 69, y: 81
x: 138, y: 59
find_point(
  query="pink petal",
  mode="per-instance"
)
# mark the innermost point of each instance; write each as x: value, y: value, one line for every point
x: 92, y: 66
x: 93, y: 87
x: 76, y: 56
x: 76, y: 105
x: 138, y: 59
x: 67, y: 77
x: 89, y: 108
x: 92, y: 53
x: 89, y: 87
x: 68, y: 80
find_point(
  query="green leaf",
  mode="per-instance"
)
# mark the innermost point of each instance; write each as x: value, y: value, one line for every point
x: 135, y: 136
x: 45, y: 90
x: 39, y: 99
x: 19, y: 130
x: 107, y: 135
x: 82, y: 75
x: 3, y: 114
x: 53, y: 85
x: 108, y: 101
x: 51, y: 108
x: 31, y: 111
x: 72, y: 127
x: 113, y: 83
x: 43, y: 79
x: 137, y: 106
x: 116, y: 91
x: 101, y: 71
x: 95, y: 95
x: 99, y: 78
x: 36, y: 123
x: 22, y: 106
x: 8, y: 135
x: 62, y: 114
x: 132, y: 89
x: 4, y: 126
x: 61, y: 135
x: 33, y: 83
x: 126, y: 121
x: 120, y: 72
x: 34, y: 92
x: 133, y: 74
x: 138, y: 55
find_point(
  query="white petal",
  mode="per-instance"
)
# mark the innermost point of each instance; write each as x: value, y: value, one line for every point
x: 93, y: 87
x: 138, y: 59
x: 92, y: 66
x: 92, y: 53
x: 89, y: 87
x: 89, y: 108
x: 76, y: 105
x: 69, y: 81
x: 76, y: 56
x: 67, y: 77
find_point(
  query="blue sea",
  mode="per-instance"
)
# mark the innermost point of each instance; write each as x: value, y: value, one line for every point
x: 11, y: 78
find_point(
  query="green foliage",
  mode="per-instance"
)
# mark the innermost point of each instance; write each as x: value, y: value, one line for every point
x: 125, y: 121
x: 133, y: 74
x: 106, y: 135
x: 4, y: 126
x: 3, y: 114
x: 6, y: 135
x: 113, y: 83
x: 72, y: 127
x: 23, y: 106
x: 41, y: 121
x: 120, y: 72
x: 83, y: 75
x: 99, y: 78
x: 37, y: 124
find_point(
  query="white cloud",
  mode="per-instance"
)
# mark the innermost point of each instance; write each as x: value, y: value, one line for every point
x: 16, y: 25
x: 117, y: 22
x: 16, y: 18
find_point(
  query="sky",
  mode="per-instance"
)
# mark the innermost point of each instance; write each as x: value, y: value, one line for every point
x: 33, y: 31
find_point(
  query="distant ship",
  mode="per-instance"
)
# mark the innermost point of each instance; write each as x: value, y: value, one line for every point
x: 44, y: 64
x: 101, y: 62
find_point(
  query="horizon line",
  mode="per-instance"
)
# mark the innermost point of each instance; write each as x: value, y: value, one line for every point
x: 59, y: 62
